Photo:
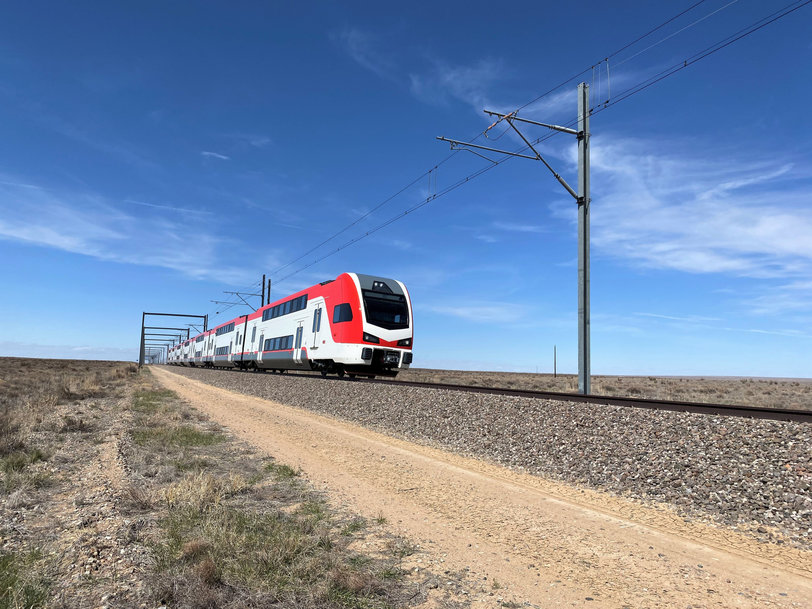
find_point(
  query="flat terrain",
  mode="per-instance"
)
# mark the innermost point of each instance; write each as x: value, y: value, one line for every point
x: 127, y: 489
x: 773, y: 393
x: 114, y: 492
x: 519, y: 538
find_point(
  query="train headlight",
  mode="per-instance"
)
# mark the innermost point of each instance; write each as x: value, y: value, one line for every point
x: 368, y: 338
x: 406, y: 342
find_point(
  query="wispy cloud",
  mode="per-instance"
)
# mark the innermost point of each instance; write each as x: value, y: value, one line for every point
x: 472, y: 84
x: 256, y: 140
x: 497, y: 231
x: 184, y: 210
x: 791, y: 297
x: 688, y: 318
x: 214, y: 155
x: 698, y: 212
x: 430, y: 79
x: 513, y: 227
x: 484, y: 312
x: 91, y: 225
x: 365, y: 49
x: 18, y: 349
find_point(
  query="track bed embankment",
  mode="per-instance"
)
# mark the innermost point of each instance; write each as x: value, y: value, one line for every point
x: 517, y: 537
x: 754, y: 475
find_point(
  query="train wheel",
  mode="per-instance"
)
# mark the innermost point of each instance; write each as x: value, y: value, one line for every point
x: 340, y: 372
x: 351, y: 375
x: 324, y: 374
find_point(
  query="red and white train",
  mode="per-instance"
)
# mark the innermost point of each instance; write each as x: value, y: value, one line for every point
x: 355, y: 324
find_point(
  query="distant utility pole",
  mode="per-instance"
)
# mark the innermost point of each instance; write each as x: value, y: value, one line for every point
x: 263, y: 293
x: 582, y: 199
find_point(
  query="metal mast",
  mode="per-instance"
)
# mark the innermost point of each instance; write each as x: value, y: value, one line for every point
x: 584, y: 357
x: 582, y: 199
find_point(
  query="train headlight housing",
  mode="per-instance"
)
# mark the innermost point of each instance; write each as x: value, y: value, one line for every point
x: 405, y: 342
x: 368, y: 338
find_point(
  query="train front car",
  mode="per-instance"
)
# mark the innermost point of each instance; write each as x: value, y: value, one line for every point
x: 371, y: 326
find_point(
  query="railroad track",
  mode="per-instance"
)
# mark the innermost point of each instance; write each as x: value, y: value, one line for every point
x: 726, y: 410
x: 755, y: 412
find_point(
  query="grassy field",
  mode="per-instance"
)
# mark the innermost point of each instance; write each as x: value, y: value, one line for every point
x: 778, y: 393
x: 115, y: 493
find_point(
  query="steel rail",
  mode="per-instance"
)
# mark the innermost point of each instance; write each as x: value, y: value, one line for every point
x: 725, y: 410
x: 729, y: 410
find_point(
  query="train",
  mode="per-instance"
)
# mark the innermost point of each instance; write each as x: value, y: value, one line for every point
x: 355, y: 325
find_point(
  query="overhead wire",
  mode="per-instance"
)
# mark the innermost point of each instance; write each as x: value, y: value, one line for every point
x: 447, y: 158
x: 629, y: 92
x: 679, y: 31
x: 714, y: 48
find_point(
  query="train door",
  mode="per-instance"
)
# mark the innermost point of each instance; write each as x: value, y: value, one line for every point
x: 297, y: 343
x: 316, y: 325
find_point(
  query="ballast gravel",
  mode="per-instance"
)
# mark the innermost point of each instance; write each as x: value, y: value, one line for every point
x: 755, y: 474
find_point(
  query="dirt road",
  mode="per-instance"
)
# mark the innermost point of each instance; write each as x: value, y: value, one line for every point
x: 519, y: 537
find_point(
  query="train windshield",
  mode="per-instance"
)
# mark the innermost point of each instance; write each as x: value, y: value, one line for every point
x: 386, y: 310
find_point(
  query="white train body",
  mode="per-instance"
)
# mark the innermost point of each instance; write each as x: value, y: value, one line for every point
x: 356, y: 324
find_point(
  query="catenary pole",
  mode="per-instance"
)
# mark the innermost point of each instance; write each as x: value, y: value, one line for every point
x: 584, y: 381
x: 141, y: 350
x: 581, y: 197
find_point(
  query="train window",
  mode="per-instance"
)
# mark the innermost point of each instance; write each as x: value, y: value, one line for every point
x: 342, y: 312
x: 261, y: 342
x: 253, y: 334
x: 299, y: 337
x: 386, y: 310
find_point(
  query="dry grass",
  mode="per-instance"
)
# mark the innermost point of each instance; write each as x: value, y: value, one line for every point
x: 236, y: 531
x: 776, y: 393
x: 29, y: 391
x: 21, y: 581
x: 30, y: 430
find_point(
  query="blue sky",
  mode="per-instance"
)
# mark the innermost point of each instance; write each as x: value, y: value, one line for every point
x: 156, y: 154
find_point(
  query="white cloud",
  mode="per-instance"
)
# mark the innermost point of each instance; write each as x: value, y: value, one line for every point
x: 90, y: 225
x: 698, y: 212
x: 484, y: 312
x: 686, y: 318
x: 85, y: 352
x: 364, y: 49
x: 789, y: 297
x: 470, y: 84
x: 513, y: 227
x: 257, y: 140
x: 183, y: 210
x: 214, y: 155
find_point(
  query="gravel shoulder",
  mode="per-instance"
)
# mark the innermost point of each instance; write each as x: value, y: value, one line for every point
x: 750, y: 475
x: 521, y: 537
